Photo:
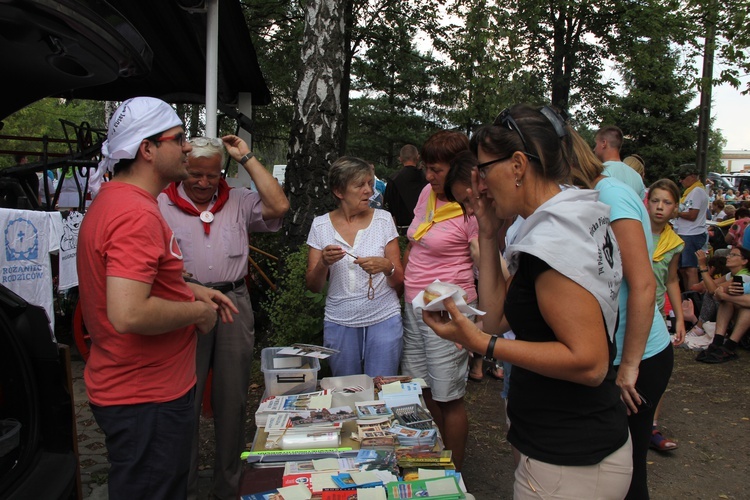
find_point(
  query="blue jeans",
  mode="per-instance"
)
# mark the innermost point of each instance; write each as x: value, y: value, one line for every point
x: 374, y: 350
x: 149, y: 448
x: 693, y: 243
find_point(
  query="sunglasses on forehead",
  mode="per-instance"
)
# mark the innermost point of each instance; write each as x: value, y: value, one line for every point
x: 506, y: 120
x: 205, y: 141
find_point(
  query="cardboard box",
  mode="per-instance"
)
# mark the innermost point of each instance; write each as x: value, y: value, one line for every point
x: 341, y: 397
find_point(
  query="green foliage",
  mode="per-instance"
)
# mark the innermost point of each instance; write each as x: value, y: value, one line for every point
x: 394, y: 81
x: 43, y: 118
x: 276, y: 30
x: 482, y: 74
x: 295, y: 313
x: 655, y: 113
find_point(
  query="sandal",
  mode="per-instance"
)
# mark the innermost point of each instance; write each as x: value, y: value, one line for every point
x: 660, y: 443
x: 493, y: 372
x: 705, y: 352
x: 695, y: 331
x: 474, y: 379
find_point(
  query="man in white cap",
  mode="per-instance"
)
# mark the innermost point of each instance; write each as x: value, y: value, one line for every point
x: 212, y: 223
x: 139, y: 311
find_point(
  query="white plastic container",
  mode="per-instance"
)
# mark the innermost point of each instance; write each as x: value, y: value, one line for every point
x: 286, y: 374
x: 346, y: 398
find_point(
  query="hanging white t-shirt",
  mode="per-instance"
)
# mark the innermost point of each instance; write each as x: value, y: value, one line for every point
x: 29, y: 237
x: 68, y: 277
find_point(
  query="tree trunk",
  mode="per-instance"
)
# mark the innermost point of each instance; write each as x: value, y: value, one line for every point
x: 346, y: 79
x: 315, y: 131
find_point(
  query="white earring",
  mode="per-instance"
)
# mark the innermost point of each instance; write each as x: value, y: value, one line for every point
x: 518, y: 183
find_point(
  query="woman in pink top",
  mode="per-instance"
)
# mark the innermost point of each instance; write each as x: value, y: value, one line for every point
x: 442, y: 245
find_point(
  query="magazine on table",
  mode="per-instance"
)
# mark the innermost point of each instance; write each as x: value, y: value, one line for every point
x: 372, y: 409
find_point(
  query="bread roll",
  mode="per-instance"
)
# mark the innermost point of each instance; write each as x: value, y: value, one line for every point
x: 438, y: 289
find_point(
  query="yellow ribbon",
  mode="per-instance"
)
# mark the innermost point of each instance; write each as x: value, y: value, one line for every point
x: 447, y: 211
x: 697, y: 184
x: 667, y: 241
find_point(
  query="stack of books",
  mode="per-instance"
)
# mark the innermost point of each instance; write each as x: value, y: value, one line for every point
x: 373, y: 433
x: 307, y: 429
x: 292, y: 403
x: 316, y: 474
x: 424, y: 457
x: 377, y: 460
x: 333, y: 475
x: 400, y: 394
x: 442, y: 488
x: 372, y: 410
x: 408, y: 437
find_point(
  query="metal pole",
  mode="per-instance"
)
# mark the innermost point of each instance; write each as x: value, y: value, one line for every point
x: 704, y: 120
x: 212, y: 65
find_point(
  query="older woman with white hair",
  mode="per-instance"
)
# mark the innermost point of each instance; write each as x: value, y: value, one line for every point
x: 356, y: 248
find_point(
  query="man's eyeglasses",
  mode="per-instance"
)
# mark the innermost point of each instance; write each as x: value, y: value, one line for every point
x: 504, y: 119
x: 482, y: 167
x: 178, y: 138
x: 734, y: 255
x: 202, y: 142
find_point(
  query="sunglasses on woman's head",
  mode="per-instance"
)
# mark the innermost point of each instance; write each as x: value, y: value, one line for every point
x: 505, y: 120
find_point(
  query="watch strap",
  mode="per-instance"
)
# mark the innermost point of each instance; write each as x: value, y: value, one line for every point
x: 490, y: 354
x: 246, y: 157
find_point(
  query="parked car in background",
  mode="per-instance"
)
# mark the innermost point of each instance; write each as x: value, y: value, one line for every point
x: 720, y: 181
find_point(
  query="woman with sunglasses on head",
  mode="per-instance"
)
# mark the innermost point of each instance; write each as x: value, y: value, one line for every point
x: 355, y: 247
x: 568, y: 421
x: 644, y: 350
x: 443, y: 246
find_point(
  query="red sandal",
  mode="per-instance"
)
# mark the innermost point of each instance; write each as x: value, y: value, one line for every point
x: 660, y: 443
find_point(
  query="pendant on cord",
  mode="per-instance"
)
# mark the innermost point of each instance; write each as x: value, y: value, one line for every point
x: 207, y: 217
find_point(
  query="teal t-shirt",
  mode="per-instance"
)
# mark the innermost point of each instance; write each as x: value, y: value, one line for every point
x: 625, y: 204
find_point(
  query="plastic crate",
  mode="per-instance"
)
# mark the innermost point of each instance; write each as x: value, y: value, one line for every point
x: 291, y: 380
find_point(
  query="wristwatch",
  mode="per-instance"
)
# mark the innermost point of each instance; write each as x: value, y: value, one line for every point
x: 246, y: 157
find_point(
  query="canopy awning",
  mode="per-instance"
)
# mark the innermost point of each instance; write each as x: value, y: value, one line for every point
x: 113, y: 50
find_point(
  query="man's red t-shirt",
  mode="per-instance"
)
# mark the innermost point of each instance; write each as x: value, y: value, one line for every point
x: 124, y: 235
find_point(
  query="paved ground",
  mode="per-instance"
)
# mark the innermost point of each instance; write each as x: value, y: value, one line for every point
x: 93, y: 453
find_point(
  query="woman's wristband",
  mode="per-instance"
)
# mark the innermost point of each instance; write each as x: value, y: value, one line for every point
x: 701, y: 271
x: 490, y: 354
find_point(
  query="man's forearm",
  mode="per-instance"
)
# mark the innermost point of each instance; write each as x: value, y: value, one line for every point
x: 275, y: 202
x: 157, y: 316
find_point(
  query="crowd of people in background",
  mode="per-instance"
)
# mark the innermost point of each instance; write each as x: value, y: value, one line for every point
x: 578, y: 268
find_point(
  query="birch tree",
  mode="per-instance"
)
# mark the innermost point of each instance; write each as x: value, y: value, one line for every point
x: 315, y: 130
